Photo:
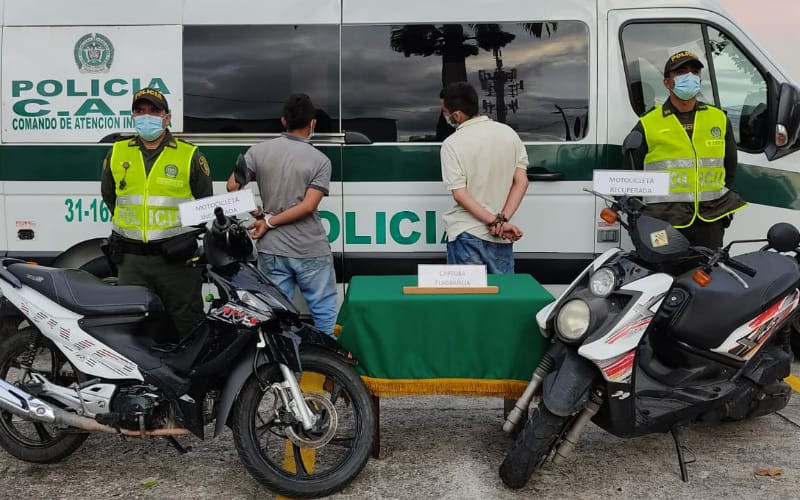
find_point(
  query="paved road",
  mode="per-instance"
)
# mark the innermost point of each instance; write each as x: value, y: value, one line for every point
x: 445, y: 448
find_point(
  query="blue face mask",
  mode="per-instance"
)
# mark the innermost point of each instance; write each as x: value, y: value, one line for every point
x: 149, y: 127
x: 686, y: 86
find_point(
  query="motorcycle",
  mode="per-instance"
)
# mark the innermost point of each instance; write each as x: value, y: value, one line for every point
x: 648, y: 340
x: 302, y: 419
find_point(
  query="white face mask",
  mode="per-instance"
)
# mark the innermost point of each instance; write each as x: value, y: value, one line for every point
x: 450, y: 121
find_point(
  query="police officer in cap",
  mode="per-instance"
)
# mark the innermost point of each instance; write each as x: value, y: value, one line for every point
x: 144, y: 179
x: 693, y: 142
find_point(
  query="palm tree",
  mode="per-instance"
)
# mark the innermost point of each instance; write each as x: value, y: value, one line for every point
x: 454, y: 45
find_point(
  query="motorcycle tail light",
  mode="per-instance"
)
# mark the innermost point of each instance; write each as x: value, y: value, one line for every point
x: 609, y: 215
x: 701, y: 277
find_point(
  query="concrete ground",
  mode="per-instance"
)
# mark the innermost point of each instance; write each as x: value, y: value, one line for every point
x: 444, y: 448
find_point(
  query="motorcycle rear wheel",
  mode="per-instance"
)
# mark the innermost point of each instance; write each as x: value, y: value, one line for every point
x: 532, y: 447
x: 299, y: 464
x: 35, y: 442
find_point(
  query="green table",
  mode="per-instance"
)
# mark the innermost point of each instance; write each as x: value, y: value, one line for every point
x: 471, y: 345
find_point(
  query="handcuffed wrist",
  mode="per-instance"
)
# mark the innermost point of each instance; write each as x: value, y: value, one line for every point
x: 266, y: 220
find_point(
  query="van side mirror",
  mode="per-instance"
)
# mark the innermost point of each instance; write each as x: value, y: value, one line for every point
x: 787, y: 122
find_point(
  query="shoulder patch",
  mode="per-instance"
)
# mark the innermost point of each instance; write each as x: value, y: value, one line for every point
x: 204, y: 165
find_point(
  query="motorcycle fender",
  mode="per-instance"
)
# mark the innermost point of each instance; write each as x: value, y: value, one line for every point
x: 566, y: 390
x: 243, y: 365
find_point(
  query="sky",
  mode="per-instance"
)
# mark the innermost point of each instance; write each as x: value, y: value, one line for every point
x: 775, y: 26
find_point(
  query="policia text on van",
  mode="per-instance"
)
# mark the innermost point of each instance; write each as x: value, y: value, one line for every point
x: 571, y: 77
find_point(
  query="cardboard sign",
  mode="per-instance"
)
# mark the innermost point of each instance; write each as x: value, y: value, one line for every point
x: 631, y: 183
x: 202, y: 210
x: 449, y: 276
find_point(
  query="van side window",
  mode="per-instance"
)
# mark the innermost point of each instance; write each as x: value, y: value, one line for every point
x: 646, y: 48
x: 729, y: 80
x: 236, y: 78
x: 534, y: 76
x: 742, y: 91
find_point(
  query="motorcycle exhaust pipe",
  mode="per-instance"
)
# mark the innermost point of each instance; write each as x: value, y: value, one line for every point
x: 20, y: 403
x: 567, y: 446
x: 546, y: 365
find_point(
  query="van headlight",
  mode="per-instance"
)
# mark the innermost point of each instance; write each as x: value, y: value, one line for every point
x: 572, y: 321
x: 603, y: 282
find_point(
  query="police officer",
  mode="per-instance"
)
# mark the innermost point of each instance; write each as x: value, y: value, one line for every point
x: 694, y: 143
x: 144, y: 179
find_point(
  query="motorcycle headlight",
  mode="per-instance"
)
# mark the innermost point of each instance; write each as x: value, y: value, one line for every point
x: 573, y: 320
x: 253, y: 301
x: 603, y: 282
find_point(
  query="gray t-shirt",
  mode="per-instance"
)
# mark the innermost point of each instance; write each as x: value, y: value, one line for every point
x: 284, y: 169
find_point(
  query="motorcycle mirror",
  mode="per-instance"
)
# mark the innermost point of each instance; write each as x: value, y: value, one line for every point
x: 783, y: 237
x: 240, y: 173
x: 632, y: 141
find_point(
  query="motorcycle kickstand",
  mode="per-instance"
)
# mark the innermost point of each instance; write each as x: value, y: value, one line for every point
x: 680, y: 445
x: 175, y: 444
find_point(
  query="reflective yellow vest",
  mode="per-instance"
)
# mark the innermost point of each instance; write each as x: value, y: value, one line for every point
x: 147, y: 205
x: 696, y: 166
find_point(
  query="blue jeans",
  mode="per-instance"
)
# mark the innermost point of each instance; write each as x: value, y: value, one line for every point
x: 468, y: 249
x: 317, y: 281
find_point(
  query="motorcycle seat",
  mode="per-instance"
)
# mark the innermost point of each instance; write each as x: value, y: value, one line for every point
x: 712, y: 312
x: 84, y: 293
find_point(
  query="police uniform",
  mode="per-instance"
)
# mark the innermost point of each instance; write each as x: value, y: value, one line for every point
x: 143, y: 188
x: 698, y: 149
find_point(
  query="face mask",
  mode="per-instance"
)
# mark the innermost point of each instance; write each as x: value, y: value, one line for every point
x: 686, y: 86
x: 450, y: 121
x: 149, y: 127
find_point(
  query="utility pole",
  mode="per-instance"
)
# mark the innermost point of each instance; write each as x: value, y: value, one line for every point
x: 498, y: 83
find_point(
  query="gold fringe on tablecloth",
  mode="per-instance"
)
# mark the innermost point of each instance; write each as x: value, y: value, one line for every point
x: 387, y: 388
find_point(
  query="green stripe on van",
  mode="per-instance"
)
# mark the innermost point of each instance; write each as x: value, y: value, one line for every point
x: 384, y: 163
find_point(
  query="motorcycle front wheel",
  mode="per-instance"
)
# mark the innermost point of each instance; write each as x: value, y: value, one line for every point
x: 532, y: 447
x: 283, y: 456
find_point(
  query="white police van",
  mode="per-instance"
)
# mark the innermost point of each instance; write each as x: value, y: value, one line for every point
x: 570, y: 76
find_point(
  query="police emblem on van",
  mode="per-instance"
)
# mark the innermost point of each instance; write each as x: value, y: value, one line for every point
x: 171, y: 171
x: 94, y: 53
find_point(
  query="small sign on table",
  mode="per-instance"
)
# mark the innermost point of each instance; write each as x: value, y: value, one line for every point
x: 448, y: 278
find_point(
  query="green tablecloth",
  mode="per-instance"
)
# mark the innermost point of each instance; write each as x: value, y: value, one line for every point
x: 483, y: 344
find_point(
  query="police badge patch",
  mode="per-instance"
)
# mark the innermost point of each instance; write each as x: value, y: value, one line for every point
x: 93, y: 53
x: 204, y: 165
x: 171, y: 171
x: 716, y: 132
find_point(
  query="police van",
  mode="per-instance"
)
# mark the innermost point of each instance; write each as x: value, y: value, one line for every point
x: 571, y: 77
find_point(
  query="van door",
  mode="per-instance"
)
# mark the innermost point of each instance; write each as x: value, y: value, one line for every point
x: 737, y: 77
x: 536, y: 74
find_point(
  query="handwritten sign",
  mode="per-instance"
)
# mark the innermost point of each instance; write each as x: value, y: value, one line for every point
x: 439, y: 276
x: 631, y: 183
x: 202, y: 210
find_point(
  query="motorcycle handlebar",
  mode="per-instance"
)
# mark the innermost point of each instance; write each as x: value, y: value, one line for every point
x: 741, y: 266
x: 220, y: 216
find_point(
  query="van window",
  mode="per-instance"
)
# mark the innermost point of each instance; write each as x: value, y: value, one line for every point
x: 731, y: 81
x: 236, y: 78
x: 742, y: 91
x: 646, y: 48
x: 532, y: 76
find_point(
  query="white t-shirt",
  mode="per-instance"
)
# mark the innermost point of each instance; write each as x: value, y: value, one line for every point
x: 481, y: 155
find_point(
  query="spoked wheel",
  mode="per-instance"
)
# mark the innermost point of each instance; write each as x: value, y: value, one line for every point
x: 35, y: 441
x: 532, y: 447
x: 299, y: 463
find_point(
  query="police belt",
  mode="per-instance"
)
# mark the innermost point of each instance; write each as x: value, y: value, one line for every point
x: 135, y: 248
